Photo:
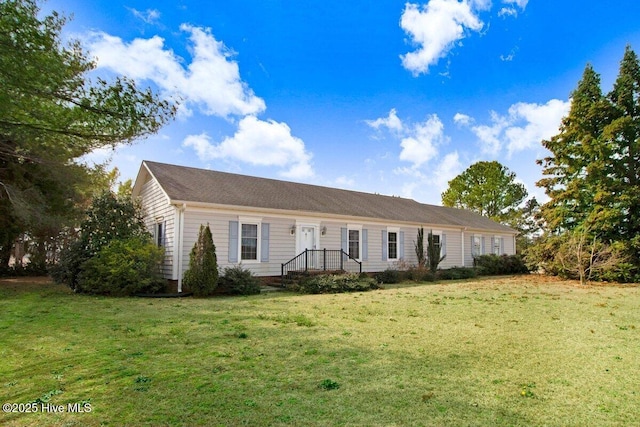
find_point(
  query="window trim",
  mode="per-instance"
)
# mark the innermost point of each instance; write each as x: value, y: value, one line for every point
x: 438, y: 233
x: 475, y: 252
x: 258, y: 223
x: 358, y: 228
x: 497, y: 242
x: 396, y: 231
x: 160, y: 233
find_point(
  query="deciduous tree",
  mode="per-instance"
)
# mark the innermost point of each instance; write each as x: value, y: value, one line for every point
x: 487, y: 188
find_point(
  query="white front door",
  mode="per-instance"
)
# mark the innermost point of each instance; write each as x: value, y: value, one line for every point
x: 307, y: 238
x: 308, y: 241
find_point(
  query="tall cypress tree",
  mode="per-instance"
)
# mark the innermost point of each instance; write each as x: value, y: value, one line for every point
x: 623, y: 133
x: 593, y: 173
x: 571, y: 168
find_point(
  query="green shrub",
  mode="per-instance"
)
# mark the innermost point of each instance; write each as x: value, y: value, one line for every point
x: 433, y: 253
x: 567, y: 254
x: 541, y: 255
x: 388, y: 276
x: 456, y: 273
x: 238, y: 281
x: 334, y: 283
x: 489, y: 265
x: 110, y: 217
x: 202, y: 276
x: 123, y: 267
x: 420, y: 274
x: 67, y: 269
x: 19, y: 270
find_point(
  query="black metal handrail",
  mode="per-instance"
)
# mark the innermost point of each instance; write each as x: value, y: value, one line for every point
x: 311, y: 260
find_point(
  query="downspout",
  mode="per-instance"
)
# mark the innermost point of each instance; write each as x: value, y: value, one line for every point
x: 180, y: 227
x: 462, y: 245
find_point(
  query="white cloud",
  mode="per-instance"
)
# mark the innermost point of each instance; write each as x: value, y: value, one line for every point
x: 436, y: 27
x: 511, y: 9
x: 510, y: 56
x: 149, y: 16
x: 448, y: 168
x: 391, y: 122
x: 258, y: 142
x: 429, y: 186
x: 522, y: 4
x: 211, y: 81
x: 345, y: 182
x: 421, y: 145
x: 489, y: 135
x: 419, y: 141
x: 462, y: 119
x: 522, y: 128
x: 540, y: 122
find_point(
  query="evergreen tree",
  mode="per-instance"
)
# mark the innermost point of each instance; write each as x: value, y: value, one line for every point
x: 419, y: 248
x: 623, y: 133
x: 570, y: 170
x: 53, y: 112
x: 202, y: 276
x: 593, y: 173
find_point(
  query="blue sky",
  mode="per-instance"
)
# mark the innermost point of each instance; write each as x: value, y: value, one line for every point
x: 387, y: 97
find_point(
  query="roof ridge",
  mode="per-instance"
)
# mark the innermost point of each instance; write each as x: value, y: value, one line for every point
x: 324, y: 187
x: 191, y: 184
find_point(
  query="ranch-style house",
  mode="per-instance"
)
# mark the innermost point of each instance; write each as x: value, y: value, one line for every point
x: 271, y: 226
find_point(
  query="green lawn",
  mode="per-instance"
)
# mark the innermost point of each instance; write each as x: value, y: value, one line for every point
x: 507, y: 351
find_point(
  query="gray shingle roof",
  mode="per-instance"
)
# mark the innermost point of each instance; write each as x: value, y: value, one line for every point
x: 206, y: 186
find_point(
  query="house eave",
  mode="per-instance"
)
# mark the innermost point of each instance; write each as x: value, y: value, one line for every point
x: 293, y: 214
x: 140, y: 181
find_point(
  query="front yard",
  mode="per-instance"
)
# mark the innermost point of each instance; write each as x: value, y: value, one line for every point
x: 495, y: 351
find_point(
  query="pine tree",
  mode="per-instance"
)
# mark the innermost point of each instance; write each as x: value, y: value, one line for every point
x: 202, y: 276
x: 488, y: 188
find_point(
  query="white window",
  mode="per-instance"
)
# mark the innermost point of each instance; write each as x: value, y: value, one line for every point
x: 354, y: 243
x: 249, y: 242
x: 392, y: 243
x: 477, y: 245
x: 437, y: 241
x: 497, y: 245
x: 249, y: 234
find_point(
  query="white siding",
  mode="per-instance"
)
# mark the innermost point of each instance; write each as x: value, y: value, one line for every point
x: 454, y: 253
x: 282, y: 244
x: 507, y: 244
x: 157, y: 208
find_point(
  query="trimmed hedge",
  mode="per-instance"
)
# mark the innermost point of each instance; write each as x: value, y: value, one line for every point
x: 456, y: 273
x: 491, y: 265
